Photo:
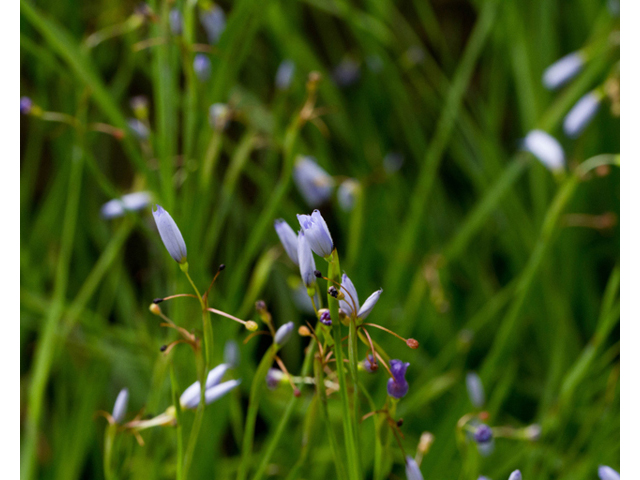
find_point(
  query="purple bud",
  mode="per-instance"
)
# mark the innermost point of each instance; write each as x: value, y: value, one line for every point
x: 214, y: 22
x: 25, y: 105
x: 483, y: 434
x: 274, y: 376
x: 202, y: 67
x: 369, y: 363
x: 325, y: 317
x: 284, y: 75
x: 397, y: 386
x: 283, y: 334
x: 515, y: 475
x: 346, y: 73
x: 175, y: 21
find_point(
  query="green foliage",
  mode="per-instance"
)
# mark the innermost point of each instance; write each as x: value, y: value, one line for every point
x: 486, y: 258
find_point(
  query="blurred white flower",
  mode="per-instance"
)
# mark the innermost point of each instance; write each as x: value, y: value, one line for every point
x: 582, y: 113
x: 131, y: 202
x: 563, y: 70
x: 546, y: 149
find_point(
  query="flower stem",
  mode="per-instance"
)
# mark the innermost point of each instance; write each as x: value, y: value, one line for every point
x: 353, y: 458
x: 257, y: 386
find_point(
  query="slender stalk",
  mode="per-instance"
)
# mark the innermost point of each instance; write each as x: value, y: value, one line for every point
x: 109, y: 436
x: 306, y: 367
x: 257, y: 387
x: 353, y: 463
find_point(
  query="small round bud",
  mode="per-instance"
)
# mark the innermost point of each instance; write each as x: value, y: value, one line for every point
x: 333, y: 291
x: 400, y: 422
x: 163, y: 348
x: 251, y: 325
x: 317, y: 273
x: 158, y: 300
x: 221, y: 267
x: 155, y: 309
x: 483, y: 434
x: 304, y: 331
x: 412, y: 343
x: 296, y: 392
x: 261, y: 306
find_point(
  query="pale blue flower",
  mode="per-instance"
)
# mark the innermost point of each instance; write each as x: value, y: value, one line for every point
x: 346, y: 73
x: 563, y: 70
x: 307, y: 263
x: 284, y: 74
x: 214, y: 22
x: 120, y: 407
x: 607, y: 473
x: 351, y: 300
x: 202, y: 67
x: 581, y: 114
x: 515, y: 475
x: 273, y: 378
x: 317, y: 233
x: 138, y: 128
x: 546, y: 149
x: 170, y: 235
x: 475, y: 389
x: 190, y: 398
x: 347, y: 194
x: 232, y: 353
x: 412, y: 469
x: 288, y: 239
x: 283, y: 334
x: 175, y: 21
x: 131, y: 202
x: 219, y: 116
x: 314, y: 184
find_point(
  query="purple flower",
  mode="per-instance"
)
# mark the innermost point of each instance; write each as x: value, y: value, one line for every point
x: 325, y: 317
x: 120, y: 407
x: 170, y: 235
x: 351, y: 298
x: 515, y: 475
x: 25, y: 105
x: 202, y: 67
x: 397, y: 386
x: 284, y: 75
x: 283, y: 334
x: 274, y: 376
x: 214, y: 22
x: 315, y: 185
x: 563, y: 70
x: 346, y: 73
x: 607, y: 473
x: 412, y: 469
x: 317, y: 233
x: 175, y: 21
x: 483, y: 434
x: 581, y: 114
x: 307, y: 263
x: 288, y: 239
x: 369, y: 363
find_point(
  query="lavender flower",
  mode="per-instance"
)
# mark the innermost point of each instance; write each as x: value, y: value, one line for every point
x: 288, y: 239
x: 232, y: 354
x: 346, y: 73
x: 347, y: 193
x: 515, y: 475
x: 412, y: 469
x: 25, y: 105
x: 175, y: 21
x: 273, y: 378
x: 581, y: 114
x: 120, y: 407
x: 214, y: 22
x: 170, y: 235
x: 202, y: 67
x: 314, y: 184
x: 138, y: 128
x: 546, y: 149
x: 563, y: 70
x: 214, y: 390
x: 475, y: 389
x: 397, y: 386
x: 483, y: 434
x: 307, y: 263
x: 284, y: 75
x: 283, y: 334
x: 130, y: 202
x: 607, y: 473
x: 317, y: 233
x: 351, y: 298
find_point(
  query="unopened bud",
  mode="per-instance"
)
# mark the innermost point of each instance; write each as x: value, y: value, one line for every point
x: 412, y: 343
x: 304, y: 331
x: 317, y: 273
x: 261, y: 306
x: 251, y: 325
x: 163, y: 348
x: 158, y: 300
x: 155, y: 309
x: 426, y: 439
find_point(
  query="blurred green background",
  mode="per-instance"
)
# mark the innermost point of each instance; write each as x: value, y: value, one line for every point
x: 479, y: 257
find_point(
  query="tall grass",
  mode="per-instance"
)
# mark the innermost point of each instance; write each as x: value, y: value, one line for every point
x: 493, y: 263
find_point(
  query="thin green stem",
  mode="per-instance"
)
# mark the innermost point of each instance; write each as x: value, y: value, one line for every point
x: 353, y: 463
